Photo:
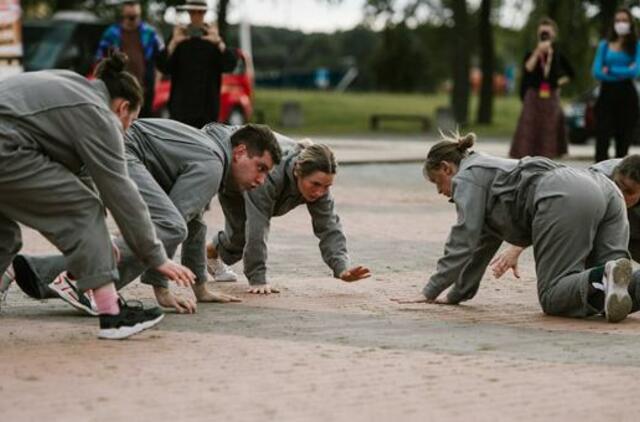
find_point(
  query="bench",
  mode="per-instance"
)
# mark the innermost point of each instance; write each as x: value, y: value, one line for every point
x: 374, y: 120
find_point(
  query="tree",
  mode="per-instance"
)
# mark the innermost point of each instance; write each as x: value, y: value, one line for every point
x: 487, y: 60
x: 460, y: 36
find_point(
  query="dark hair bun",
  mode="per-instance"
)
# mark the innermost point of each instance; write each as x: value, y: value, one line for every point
x: 111, y: 66
x: 466, y: 142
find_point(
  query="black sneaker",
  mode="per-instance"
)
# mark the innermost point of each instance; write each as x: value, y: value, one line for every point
x: 132, y: 319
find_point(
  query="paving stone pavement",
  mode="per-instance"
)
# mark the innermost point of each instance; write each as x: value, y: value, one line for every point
x: 324, y: 350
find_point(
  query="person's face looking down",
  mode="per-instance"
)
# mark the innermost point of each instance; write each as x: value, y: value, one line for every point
x: 630, y: 189
x: 123, y: 111
x: 315, y: 186
x: 249, y: 171
x: 442, y: 177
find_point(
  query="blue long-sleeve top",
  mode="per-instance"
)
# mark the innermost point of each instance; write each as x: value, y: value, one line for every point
x: 620, y: 64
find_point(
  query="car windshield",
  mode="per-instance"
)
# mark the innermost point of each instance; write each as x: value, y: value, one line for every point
x: 44, y: 47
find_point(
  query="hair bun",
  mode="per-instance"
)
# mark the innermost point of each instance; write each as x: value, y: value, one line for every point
x: 466, y: 142
x: 112, y: 65
x: 305, y: 143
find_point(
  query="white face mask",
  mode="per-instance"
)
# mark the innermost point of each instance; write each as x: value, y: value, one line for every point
x: 622, y: 28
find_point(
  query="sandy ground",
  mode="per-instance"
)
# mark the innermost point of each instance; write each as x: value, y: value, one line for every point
x: 327, y: 350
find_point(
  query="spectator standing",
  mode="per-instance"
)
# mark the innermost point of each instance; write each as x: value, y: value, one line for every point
x: 143, y: 46
x: 540, y: 129
x: 197, y: 58
x: 616, y: 65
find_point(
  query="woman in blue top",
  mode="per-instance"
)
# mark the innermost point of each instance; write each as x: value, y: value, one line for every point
x: 616, y: 65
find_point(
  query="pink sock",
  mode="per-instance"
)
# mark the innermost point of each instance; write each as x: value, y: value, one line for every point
x: 106, y: 299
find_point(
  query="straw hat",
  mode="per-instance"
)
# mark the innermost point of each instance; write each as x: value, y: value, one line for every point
x: 194, y: 5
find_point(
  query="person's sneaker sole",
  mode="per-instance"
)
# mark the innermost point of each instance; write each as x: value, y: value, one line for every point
x: 125, y: 332
x: 226, y: 279
x: 64, y: 295
x: 617, y: 304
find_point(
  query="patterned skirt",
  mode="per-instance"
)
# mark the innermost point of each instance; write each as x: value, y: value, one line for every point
x: 540, y: 128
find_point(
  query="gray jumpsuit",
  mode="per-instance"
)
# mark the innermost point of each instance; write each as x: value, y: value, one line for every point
x: 178, y: 170
x: 575, y: 220
x: 633, y: 214
x: 248, y: 217
x: 53, y: 124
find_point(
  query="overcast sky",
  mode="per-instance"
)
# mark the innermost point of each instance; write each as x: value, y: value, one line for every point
x: 318, y: 16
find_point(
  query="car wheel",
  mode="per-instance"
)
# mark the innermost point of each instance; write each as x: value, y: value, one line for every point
x: 236, y: 117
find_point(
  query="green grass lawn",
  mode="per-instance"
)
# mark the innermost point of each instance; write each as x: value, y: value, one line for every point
x: 330, y: 113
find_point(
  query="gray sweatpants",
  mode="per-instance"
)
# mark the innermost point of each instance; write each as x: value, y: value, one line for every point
x: 46, y: 196
x: 583, y: 227
x: 170, y: 226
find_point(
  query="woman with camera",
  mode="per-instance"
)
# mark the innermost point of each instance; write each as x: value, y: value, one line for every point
x: 616, y: 65
x: 540, y: 129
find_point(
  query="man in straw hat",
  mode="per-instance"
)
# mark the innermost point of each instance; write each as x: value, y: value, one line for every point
x: 198, y: 57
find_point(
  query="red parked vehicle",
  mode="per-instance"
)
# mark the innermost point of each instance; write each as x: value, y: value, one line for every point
x: 71, y: 44
x: 236, y: 94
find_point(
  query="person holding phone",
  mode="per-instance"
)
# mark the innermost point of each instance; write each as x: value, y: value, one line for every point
x: 198, y: 56
x: 540, y: 129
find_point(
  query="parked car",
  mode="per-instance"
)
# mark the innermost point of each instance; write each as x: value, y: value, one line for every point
x: 70, y: 42
x: 580, y: 117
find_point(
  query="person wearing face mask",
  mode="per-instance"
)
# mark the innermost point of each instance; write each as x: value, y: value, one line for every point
x: 575, y: 220
x: 55, y: 125
x: 616, y: 65
x: 304, y: 177
x: 540, y: 130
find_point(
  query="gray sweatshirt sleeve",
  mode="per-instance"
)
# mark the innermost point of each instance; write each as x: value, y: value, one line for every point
x: 258, y: 205
x: 327, y: 228
x: 102, y: 151
x: 230, y: 242
x: 470, y: 200
x: 466, y: 286
x: 191, y: 192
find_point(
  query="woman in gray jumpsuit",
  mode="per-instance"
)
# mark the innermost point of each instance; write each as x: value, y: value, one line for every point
x: 53, y: 124
x: 304, y: 176
x: 625, y: 173
x: 177, y: 170
x: 536, y: 202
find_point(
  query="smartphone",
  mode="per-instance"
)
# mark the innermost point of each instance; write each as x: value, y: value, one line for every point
x: 195, y: 31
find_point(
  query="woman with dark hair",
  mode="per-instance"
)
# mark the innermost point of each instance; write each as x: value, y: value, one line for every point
x: 616, y: 65
x: 533, y: 201
x: 540, y: 129
x: 55, y: 125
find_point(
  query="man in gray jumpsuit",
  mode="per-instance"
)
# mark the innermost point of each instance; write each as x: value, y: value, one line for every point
x: 52, y: 124
x: 178, y: 170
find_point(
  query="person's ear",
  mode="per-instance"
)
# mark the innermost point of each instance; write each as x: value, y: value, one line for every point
x: 124, y: 107
x: 239, y: 151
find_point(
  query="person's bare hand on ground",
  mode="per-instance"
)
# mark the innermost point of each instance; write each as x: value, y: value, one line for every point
x: 505, y: 261
x: 355, y: 274
x: 167, y: 299
x: 177, y: 273
x: 203, y: 294
x: 263, y: 289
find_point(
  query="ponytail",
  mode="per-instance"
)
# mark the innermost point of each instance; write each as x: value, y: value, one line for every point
x: 120, y: 83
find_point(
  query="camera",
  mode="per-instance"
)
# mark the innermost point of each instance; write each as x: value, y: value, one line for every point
x: 545, y: 36
x: 195, y: 31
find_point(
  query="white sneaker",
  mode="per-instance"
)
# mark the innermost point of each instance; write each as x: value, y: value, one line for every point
x: 220, y: 271
x: 7, y: 279
x: 617, y: 302
x: 68, y: 291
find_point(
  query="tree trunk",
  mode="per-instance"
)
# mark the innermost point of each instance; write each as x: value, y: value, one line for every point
x: 607, y: 12
x: 461, y: 62
x: 485, y: 108
x: 222, y: 17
